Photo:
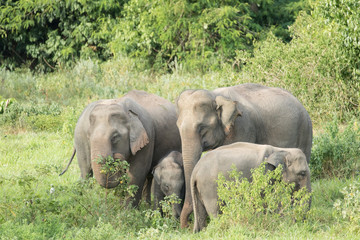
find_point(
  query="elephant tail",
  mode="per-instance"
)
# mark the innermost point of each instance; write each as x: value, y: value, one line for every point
x: 72, y: 157
x: 200, y: 213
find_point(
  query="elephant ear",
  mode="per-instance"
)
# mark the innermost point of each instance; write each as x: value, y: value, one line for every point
x: 277, y: 158
x: 228, y: 111
x: 138, y: 135
x: 156, y: 174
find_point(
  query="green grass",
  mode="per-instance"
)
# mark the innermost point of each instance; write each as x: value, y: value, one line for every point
x: 30, y: 164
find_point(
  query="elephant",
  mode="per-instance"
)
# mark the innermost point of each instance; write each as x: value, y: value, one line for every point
x: 244, y: 156
x: 139, y: 128
x: 242, y: 113
x: 169, y: 179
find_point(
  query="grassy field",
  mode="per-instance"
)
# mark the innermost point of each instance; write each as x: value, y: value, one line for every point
x: 36, y: 136
x: 31, y: 162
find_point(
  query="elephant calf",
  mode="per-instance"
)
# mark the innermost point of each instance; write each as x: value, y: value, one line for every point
x: 245, y: 156
x: 169, y: 179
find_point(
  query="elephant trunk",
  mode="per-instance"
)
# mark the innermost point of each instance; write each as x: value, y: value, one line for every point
x: 177, y: 210
x: 305, y: 183
x: 191, y: 151
x: 105, y: 178
x: 178, y: 207
x: 308, y: 187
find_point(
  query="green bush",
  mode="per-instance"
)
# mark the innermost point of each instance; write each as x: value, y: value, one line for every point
x: 5, y: 103
x: 336, y: 152
x: 44, y: 123
x: 51, y: 34
x: 161, y: 222
x: 349, y: 207
x: 262, y: 203
x: 36, y: 117
x: 343, y: 18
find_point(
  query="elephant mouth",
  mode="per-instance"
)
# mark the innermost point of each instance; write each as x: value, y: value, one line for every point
x: 107, y: 175
x: 119, y: 156
x: 208, y: 147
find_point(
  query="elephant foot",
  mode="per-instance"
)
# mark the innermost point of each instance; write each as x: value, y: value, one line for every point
x: 184, y: 224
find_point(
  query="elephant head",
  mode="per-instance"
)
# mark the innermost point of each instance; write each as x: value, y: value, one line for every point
x: 115, y: 131
x: 204, y: 122
x: 295, y: 168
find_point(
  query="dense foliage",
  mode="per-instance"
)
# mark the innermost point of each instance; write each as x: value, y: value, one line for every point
x: 201, y: 32
x: 336, y: 151
x: 344, y: 20
x: 50, y: 34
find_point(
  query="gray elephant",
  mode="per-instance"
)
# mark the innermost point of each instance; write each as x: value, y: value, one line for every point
x: 169, y: 179
x: 242, y: 113
x: 244, y: 156
x: 138, y: 127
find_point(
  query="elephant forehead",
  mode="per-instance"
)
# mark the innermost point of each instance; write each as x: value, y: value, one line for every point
x: 109, y: 113
x: 108, y: 108
x: 195, y: 96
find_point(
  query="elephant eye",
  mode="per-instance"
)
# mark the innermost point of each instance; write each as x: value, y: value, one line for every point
x: 202, y: 129
x: 165, y: 188
x: 115, y: 138
x: 302, y: 173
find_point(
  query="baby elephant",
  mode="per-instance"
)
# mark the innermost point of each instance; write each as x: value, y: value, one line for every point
x: 169, y: 179
x: 245, y: 156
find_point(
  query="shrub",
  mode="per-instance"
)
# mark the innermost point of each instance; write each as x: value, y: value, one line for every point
x: 164, y: 221
x: 343, y: 17
x: 261, y: 203
x: 335, y: 153
x: 31, y: 116
x: 349, y: 208
x: 5, y: 103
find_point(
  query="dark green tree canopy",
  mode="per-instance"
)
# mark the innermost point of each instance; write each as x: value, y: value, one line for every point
x: 46, y: 34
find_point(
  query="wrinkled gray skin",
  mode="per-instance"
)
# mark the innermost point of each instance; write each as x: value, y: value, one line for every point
x: 242, y: 113
x: 245, y: 156
x: 139, y: 128
x: 169, y: 179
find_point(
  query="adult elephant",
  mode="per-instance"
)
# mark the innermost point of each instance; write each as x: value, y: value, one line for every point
x: 242, y: 113
x: 139, y: 128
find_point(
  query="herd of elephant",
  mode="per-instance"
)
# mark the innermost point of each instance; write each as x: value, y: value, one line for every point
x: 242, y: 125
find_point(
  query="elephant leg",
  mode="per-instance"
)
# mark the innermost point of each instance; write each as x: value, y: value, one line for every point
x: 84, y: 160
x: 212, y: 207
x: 146, y: 193
x: 158, y: 194
x: 200, y: 213
x: 139, y: 170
